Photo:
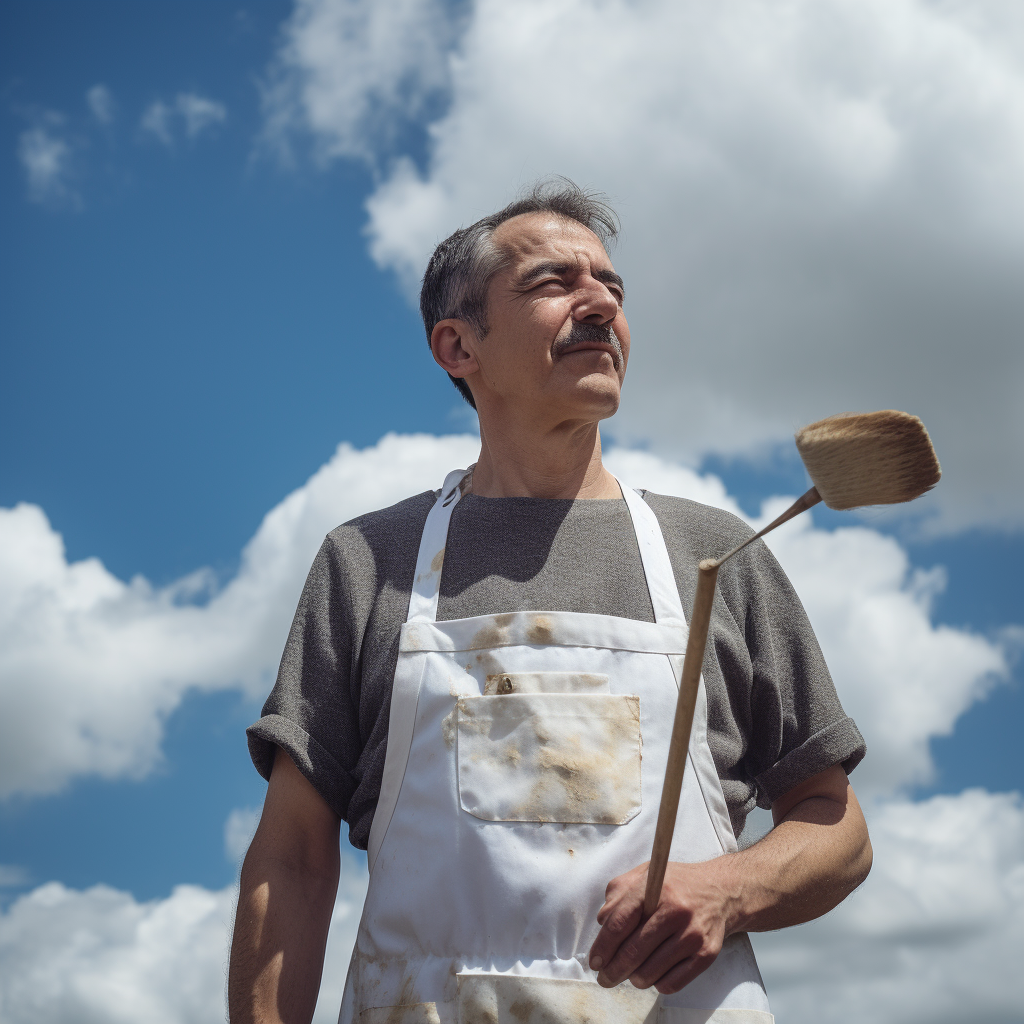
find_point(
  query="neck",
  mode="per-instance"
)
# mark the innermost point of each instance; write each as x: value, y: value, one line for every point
x: 560, y: 463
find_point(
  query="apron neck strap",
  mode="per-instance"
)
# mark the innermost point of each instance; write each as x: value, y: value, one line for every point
x: 426, y: 587
x: 661, y: 580
x: 430, y: 560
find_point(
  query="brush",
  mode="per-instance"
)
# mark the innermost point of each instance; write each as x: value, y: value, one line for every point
x: 853, y: 460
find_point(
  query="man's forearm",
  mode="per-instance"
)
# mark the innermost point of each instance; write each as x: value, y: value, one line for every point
x: 811, y: 861
x: 278, y: 946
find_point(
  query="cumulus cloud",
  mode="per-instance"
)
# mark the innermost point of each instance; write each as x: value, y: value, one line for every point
x: 934, y: 934
x: 101, y: 103
x: 352, y: 72
x: 821, y: 203
x: 45, y: 158
x: 194, y: 115
x: 98, y: 956
x: 90, y: 666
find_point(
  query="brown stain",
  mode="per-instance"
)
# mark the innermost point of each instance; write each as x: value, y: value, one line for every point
x: 369, y: 994
x: 449, y: 727
x: 531, y: 1000
x: 493, y: 635
x: 437, y: 562
x: 577, y: 783
x: 520, y: 1010
x: 566, y: 779
x: 540, y: 631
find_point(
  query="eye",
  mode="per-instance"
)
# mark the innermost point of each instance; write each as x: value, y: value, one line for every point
x: 548, y: 282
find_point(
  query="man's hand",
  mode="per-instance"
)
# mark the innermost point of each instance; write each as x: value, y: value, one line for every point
x: 816, y: 855
x: 678, y: 941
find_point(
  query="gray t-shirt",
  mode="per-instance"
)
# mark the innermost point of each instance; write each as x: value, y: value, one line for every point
x: 774, y: 718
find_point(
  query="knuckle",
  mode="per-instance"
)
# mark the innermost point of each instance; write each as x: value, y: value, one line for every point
x: 630, y: 953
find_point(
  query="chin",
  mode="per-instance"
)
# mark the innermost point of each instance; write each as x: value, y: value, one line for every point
x: 595, y: 399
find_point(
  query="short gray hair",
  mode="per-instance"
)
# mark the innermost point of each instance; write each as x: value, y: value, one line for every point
x: 458, y: 274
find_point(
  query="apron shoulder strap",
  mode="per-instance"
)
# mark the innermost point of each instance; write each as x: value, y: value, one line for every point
x: 429, y: 562
x: 661, y: 580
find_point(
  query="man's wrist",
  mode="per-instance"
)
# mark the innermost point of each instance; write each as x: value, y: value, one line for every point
x: 740, y: 893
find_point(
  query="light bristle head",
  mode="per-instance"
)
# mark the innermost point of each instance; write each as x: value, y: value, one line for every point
x: 870, y: 458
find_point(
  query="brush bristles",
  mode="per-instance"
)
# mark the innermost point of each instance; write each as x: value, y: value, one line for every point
x: 871, y: 458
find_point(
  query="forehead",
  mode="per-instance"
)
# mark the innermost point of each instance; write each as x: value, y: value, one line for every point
x: 542, y: 236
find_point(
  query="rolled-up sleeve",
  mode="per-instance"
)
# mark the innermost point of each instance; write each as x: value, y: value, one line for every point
x: 310, y: 713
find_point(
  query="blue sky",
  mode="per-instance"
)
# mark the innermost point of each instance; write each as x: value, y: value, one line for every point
x: 191, y: 324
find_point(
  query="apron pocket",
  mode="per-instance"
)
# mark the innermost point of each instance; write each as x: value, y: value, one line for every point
x: 418, y: 1013
x: 521, y: 999
x: 561, y: 757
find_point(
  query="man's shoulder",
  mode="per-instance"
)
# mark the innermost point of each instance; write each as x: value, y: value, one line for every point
x: 695, y: 524
x: 396, y: 527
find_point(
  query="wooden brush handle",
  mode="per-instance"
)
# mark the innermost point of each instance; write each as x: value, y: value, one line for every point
x: 680, y: 742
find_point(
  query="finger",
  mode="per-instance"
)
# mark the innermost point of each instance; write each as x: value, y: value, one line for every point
x: 614, y: 891
x: 633, y: 950
x: 620, y: 918
x: 685, y: 971
x: 676, y: 949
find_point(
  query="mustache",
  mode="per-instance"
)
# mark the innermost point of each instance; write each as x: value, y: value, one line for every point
x: 582, y: 333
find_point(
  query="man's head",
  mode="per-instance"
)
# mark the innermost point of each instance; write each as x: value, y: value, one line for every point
x: 526, y: 301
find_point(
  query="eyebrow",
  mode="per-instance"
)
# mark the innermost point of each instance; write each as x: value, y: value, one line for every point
x: 561, y: 269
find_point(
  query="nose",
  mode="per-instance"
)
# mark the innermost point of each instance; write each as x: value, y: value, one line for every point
x: 596, y: 304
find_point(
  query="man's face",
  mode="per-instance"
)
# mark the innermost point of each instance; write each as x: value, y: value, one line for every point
x: 558, y: 341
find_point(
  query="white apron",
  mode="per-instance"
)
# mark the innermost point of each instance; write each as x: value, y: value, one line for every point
x: 524, y: 770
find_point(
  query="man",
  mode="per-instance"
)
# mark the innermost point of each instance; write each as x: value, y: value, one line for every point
x: 481, y: 680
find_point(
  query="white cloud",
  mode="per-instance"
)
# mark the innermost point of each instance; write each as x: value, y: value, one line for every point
x: 239, y: 829
x: 90, y: 666
x: 199, y: 113
x: 352, y: 71
x: 821, y: 203
x: 100, y: 957
x: 196, y: 114
x: 156, y: 119
x: 46, y: 160
x: 934, y: 934
x: 101, y: 103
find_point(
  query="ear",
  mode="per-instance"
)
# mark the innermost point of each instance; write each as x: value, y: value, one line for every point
x: 448, y: 343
